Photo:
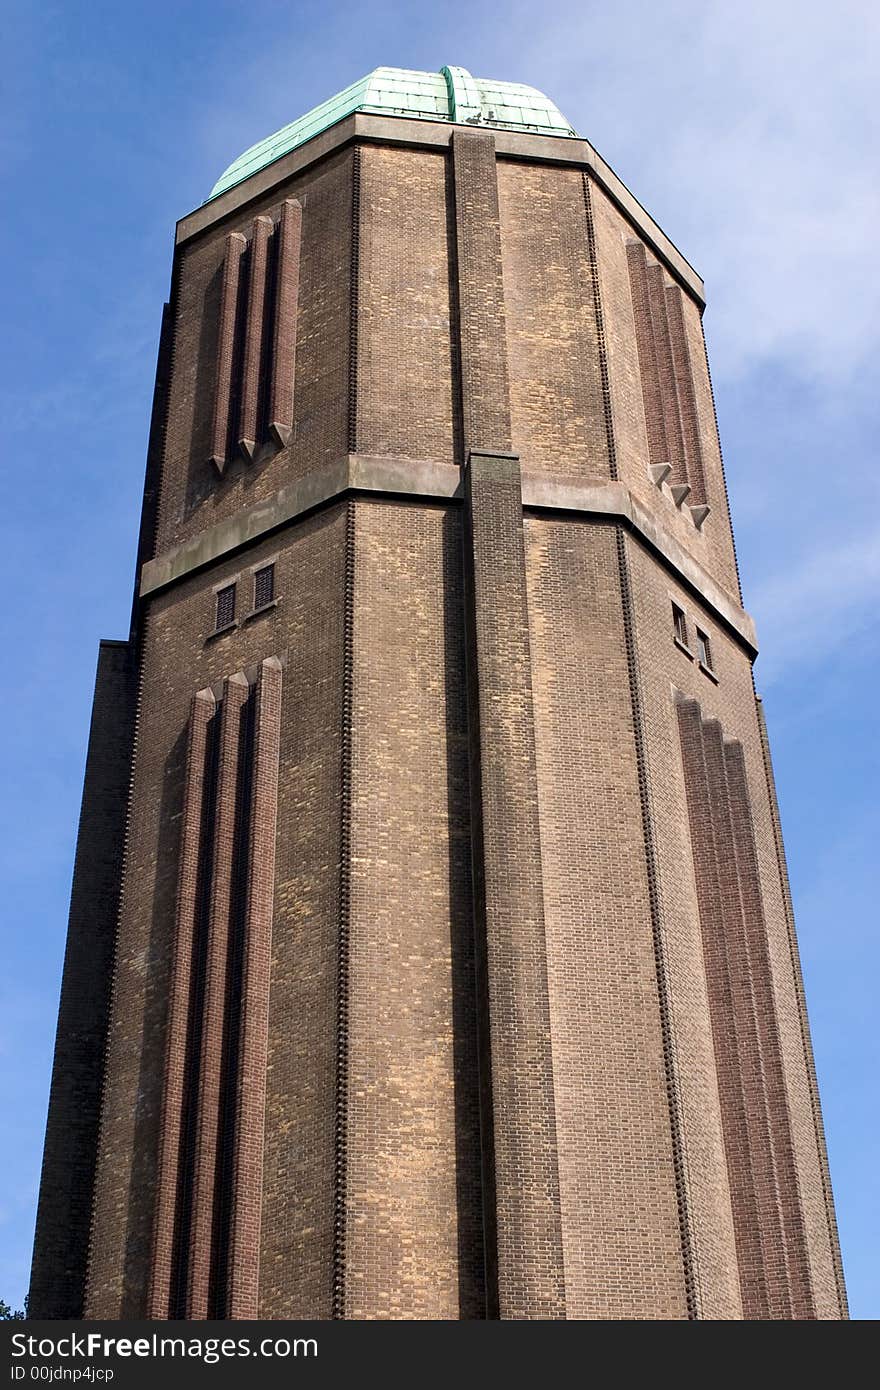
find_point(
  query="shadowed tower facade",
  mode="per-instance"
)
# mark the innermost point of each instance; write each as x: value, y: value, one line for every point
x: 431, y: 951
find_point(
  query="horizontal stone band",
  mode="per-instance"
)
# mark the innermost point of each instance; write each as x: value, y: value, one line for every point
x: 397, y: 477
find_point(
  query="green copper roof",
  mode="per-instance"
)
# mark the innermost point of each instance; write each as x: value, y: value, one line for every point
x: 449, y: 95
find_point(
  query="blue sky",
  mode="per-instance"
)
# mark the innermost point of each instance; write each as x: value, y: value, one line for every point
x: 750, y: 131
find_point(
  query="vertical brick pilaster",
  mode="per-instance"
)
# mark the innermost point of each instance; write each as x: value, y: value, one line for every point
x: 72, y: 1144
x: 168, y: 1176
x: 771, y: 1242
x: 519, y: 1131
x: 666, y: 375
x: 281, y: 390
x: 354, y: 276
x: 235, y: 248
x: 208, y: 1117
x: 658, y: 447
x: 242, y: 1278
x: 684, y: 385
x: 522, y: 1222
x: 797, y: 1264
x: 717, y: 947
x: 601, y: 338
x: 249, y: 403
x: 485, y: 387
x: 743, y: 984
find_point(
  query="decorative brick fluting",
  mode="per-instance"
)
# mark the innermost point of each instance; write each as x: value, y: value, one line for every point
x: 256, y: 338
x: 172, y: 1161
x: 210, y: 1164
x: 667, y: 379
x: 225, y: 369
x: 773, y: 1257
x: 485, y: 389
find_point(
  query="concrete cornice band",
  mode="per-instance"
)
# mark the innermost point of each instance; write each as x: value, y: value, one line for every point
x: 403, y: 477
x: 397, y: 130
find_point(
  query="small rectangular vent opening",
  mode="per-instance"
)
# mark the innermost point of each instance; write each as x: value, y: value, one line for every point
x: 264, y: 586
x: 679, y: 625
x: 225, y: 607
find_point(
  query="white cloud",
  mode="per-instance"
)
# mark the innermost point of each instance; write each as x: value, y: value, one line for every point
x: 751, y: 131
x: 823, y: 602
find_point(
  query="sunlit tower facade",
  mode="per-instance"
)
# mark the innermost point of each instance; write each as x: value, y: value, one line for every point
x: 431, y: 951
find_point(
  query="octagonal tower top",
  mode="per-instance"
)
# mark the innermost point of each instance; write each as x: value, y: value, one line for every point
x: 449, y: 95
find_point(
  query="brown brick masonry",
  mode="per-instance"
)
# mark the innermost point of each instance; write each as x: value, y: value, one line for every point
x: 747, y: 1030
x: 70, y: 1155
x: 658, y: 448
x: 421, y: 478
x: 678, y: 1131
x: 519, y: 1113
x: 773, y: 1260
x: 256, y: 339
x: 601, y: 339
x: 521, y: 1206
x: 684, y: 388
x: 485, y: 387
x: 667, y: 377
x: 666, y: 373
x: 249, y: 401
x: 708, y: 855
x: 236, y: 246
x: 341, y: 1068
x: 208, y: 1123
x: 387, y: 131
x: 206, y: 1241
x: 794, y: 1247
x: 281, y: 390
x: 354, y: 270
x: 172, y: 1158
x: 242, y: 1275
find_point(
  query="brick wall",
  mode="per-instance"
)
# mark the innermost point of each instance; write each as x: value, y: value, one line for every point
x: 304, y: 628
x: 407, y: 398
x: 555, y: 380
x: 192, y: 496
x: 730, y: 702
x: 615, y: 1146
x: 414, y: 1221
x: 66, y: 1187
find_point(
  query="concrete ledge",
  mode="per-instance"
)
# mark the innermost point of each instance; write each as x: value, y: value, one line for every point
x: 353, y: 473
x: 616, y: 501
x: 388, y: 476
x: 418, y: 133
x: 409, y: 477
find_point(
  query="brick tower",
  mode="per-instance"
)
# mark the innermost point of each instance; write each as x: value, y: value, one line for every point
x: 431, y: 951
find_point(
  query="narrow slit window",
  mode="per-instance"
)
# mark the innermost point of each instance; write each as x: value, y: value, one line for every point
x: 704, y: 650
x: 225, y: 607
x: 264, y: 586
x: 679, y: 625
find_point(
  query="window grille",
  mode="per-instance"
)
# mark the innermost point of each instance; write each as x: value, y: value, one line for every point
x: 225, y: 607
x: 264, y: 586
